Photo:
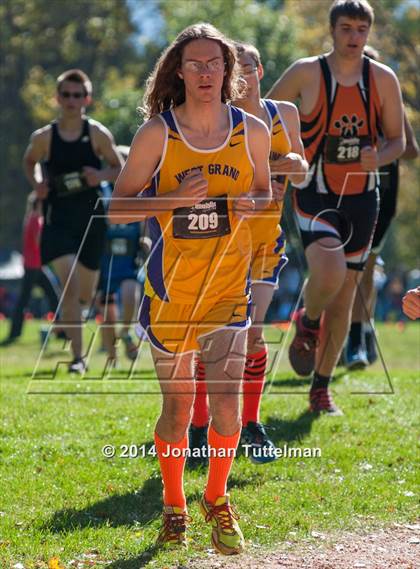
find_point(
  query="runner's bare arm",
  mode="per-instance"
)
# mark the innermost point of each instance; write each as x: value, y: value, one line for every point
x: 411, y: 148
x: 106, y: 148
x: 294, y: 163
x: 289, y: 86
x: 259, y: 147
x: 145, y: 154
x: 411, y: 303
x: 392, y: 116
x: 35, y: 153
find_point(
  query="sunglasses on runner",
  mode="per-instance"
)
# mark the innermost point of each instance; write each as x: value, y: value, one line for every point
x: 200, y: 67
x: 68, y: 95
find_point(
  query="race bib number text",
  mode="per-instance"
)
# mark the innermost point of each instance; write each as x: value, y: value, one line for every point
x: 341, y: 150
x: 207, y: 219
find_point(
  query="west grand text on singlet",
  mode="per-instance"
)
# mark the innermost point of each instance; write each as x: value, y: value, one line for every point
x: 211, y: 169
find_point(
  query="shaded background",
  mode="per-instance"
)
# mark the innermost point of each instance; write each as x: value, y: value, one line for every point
x: 117, y: 43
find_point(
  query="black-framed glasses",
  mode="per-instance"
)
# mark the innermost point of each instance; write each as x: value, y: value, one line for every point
x: 68, y: 95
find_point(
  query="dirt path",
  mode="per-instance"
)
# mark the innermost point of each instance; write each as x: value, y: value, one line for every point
x: 397, y: 547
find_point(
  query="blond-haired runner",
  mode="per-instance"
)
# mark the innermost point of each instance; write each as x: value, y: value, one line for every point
x: 206, y: 167
x: 268, y: 254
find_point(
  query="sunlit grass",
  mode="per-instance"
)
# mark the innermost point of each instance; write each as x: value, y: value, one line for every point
x: 61, y: 498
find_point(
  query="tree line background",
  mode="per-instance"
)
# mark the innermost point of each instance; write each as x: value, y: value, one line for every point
x: 117, y: 42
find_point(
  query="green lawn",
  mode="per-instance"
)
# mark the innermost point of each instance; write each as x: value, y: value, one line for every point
x: 61, y: 498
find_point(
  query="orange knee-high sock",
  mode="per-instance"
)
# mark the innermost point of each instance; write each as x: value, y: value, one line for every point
x: 253, y: 386
x: 172, y: 469
x: 200, y: 416
x: 219, y: 466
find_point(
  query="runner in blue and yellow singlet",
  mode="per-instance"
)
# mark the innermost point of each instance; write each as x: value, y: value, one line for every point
x: 200, y: 253
x: 268, y: 254
x: 205, y: 165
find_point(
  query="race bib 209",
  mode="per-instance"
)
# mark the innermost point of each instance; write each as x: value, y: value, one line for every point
x: 209, y: 218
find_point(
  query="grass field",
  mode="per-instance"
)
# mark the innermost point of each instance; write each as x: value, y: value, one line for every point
x: 63, y: 500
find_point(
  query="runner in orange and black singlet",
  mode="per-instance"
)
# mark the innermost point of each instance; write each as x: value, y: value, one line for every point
x: 345, y: 98
x: 338, y: 198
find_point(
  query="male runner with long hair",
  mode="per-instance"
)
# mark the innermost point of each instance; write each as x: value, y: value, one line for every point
x: 205, y: 168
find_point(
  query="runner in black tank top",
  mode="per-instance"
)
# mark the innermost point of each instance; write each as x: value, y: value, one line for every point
x: 70, y: 150
x: 71, y: 202
x: 64, y: 170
